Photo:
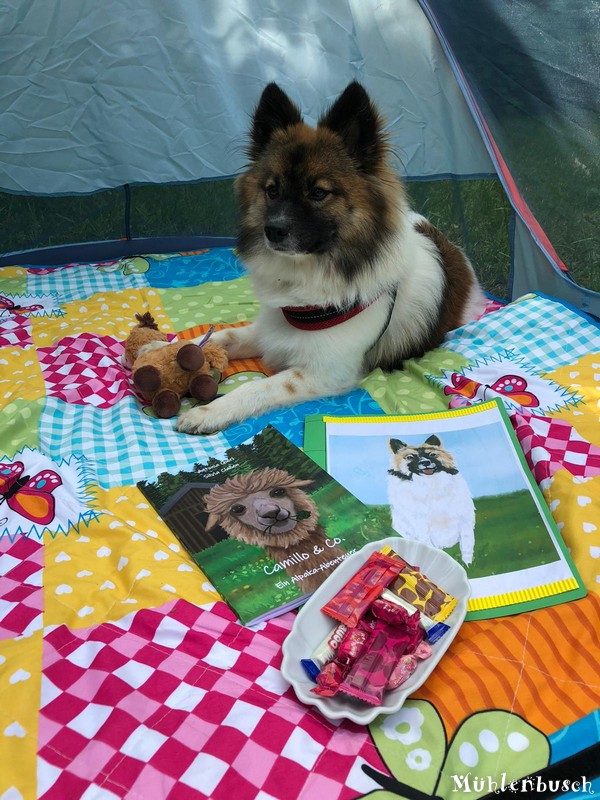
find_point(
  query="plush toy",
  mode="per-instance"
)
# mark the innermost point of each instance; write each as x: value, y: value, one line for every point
x: 163, y: 374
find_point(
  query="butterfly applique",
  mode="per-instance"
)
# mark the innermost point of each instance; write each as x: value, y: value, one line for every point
x: 30, y: 497
x: 424, y: 766
x: 513, y: 386
x: 6, y: 304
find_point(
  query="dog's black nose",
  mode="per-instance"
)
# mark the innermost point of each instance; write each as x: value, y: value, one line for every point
x: 276, y: 233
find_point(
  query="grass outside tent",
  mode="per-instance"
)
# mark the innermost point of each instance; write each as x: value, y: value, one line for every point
x: 474, y: 214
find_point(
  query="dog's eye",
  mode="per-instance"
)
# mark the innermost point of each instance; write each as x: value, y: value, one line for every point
x: 278, y: 492
x: 272, y: 192
x: 238, y: 509
x: 318, y: 193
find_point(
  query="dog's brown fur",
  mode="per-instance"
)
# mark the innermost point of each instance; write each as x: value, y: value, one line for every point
x: 363, y: 204
x: 459, y: 283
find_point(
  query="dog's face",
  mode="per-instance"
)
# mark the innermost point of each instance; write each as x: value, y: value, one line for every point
x: 429, y: 458
x: 325, y: 191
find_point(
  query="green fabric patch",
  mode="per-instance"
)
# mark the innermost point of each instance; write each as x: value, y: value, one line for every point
x: 221, y: 302
x: 15, y: 285
x: 407, y: 391
x: 20, y: 423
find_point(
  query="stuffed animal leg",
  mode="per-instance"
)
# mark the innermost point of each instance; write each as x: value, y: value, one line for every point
x: 165, y: 373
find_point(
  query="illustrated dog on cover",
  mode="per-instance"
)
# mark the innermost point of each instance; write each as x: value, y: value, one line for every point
x: 348, y: 278
x: 429, y: 499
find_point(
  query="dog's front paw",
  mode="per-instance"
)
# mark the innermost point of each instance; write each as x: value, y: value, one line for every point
x: 199, y: 420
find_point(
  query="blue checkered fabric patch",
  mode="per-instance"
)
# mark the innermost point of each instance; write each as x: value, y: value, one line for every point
x: 80, y: 282
x: 123, y: 443
x: 547, y: 333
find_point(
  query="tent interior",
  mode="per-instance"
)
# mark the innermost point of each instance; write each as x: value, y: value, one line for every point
x: 124, y: 127
x: 136, y: 130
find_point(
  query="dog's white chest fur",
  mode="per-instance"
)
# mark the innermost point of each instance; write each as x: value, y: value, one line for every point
x: 436, y: 509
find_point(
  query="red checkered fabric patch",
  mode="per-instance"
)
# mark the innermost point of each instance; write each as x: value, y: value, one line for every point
x: 189, y: 701
x: 492, y: 305
x: 85, y: 369
x: 21, y: 597
x: 15, y: 330
x: 552, y: 444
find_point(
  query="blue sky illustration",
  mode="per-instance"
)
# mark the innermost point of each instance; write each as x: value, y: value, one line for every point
x: 484, y: 457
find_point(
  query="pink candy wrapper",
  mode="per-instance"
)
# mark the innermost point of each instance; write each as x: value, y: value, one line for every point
x: 407, y: 665
x: 368, y: 677
x: 332, y: 674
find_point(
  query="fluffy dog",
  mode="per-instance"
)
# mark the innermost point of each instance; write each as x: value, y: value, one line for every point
x: 347, y: 277
x: 429, y: 499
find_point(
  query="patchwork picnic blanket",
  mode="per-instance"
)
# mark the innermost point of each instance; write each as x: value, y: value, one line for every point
x: 123, y: 674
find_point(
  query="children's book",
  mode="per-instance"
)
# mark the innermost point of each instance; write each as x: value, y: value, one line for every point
x: 265, y: 523
x: 457, y: 480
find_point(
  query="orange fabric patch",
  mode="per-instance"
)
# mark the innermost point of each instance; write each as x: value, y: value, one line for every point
x: 542, y: 665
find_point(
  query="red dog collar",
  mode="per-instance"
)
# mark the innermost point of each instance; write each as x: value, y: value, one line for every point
x: 316, y: 318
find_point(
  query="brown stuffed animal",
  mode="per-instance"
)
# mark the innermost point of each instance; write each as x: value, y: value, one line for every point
x: 163, y: 374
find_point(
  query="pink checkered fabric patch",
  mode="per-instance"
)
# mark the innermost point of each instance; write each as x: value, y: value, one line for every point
x: 551, y: 444
x: 21, y: 596
x: 85, y: 369
x: 181, y: 703
x: 15, y: 330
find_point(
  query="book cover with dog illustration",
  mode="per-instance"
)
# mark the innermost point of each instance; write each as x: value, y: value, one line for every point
x: 265, y: 523
x: 456, y: 480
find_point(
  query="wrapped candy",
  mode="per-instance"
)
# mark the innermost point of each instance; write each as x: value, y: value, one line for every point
x: 418, y: 590
x: 329, y: 678
x: 434, y: 630
x: 407, y: 665
x: 325, y: 652
x: 355, y: 597
x: 367, y: 679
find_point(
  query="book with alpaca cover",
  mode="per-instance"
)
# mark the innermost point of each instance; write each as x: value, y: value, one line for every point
x: 265, y: 523
x: 457, y: 480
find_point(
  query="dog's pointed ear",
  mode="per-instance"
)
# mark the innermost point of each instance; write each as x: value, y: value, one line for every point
x: 396, y: 445
x: 434, y: 440
x: 274, y: 111
x: 355, y: 119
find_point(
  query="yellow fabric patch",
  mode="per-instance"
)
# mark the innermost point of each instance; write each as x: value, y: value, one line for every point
x: 584, y: 377
x: 113, y: 314
x: 124, y: 561
x: 575, y: 507
x: 20, y: 375
x: 20, y: 687
x: 14, y: 272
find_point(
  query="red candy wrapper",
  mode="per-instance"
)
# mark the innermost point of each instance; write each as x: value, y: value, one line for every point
x: 391, y: 612
x: 368, y: 678
x: 352, y: 645
x: 351, y: 602
x: 329, y: 679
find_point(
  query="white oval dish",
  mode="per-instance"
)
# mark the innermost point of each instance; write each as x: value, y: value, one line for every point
x: 312, y: 626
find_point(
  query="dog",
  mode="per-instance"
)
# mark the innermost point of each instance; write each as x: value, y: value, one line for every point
x: 429, y: 499
x: 348, y: 278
